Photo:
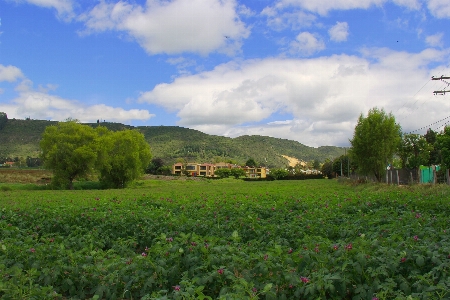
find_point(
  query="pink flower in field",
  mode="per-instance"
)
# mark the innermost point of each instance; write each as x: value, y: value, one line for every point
x: 146, y: 249
x: 316, y: 249
x: 335, y: 247
x: 220, y: 271
x: 290, y: 251
x: 254, y: 290
x: 349, y: 247
x: 169, y: 239
x: 403, y: 259
x: 304, y: 279
x: 176, y: 288
x: 144, y: 254
x: 416, y: 238
x: 32, y: 250
x: 374, y: 298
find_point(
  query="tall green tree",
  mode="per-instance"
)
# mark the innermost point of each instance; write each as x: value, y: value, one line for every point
x: 443, y: 145
x: 375, y: 142
x: 414, y: 150
x: 123, y: 157
x: 251, y: 163
x: 327, y: 169
x: 431, y: 138
x: 69, y: 149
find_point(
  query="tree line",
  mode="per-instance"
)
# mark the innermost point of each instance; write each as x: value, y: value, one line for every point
x: 379, y: 144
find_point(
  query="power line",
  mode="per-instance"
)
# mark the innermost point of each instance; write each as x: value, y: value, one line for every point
x: 430, y: 125
x: 439, y: 91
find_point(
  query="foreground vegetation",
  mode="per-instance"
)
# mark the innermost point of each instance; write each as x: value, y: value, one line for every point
x: 316, y: 239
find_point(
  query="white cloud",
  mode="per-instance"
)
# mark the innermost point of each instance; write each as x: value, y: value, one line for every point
x: 439, y: 8
x: 42, y: 105
x: 45, y: 106
x: 434, y: 40
x: 199, y: 26
x: 282, y: 20
x: 10, y: 73
x: 339, y: 32
x: 324, y: 95
x: 322, y: 7
x: 306, y: 44
x: 63, y: 7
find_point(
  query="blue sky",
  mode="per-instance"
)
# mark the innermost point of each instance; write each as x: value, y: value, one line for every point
x: 297, y: 69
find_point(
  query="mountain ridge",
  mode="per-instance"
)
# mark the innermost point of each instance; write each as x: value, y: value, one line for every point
x: 20, y: 138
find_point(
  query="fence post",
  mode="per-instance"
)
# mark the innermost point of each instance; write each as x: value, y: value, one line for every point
x: 448, y: 176
x: 387, y: 177
x: 434, y: 176
x: 412, y: 179
x: 398, y: 179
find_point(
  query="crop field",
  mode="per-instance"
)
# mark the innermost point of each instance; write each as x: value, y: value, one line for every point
x: 226, y: 239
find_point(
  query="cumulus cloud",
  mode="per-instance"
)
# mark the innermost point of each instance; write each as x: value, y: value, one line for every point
x: 199, y: 26
x: 339, y: 32
x: 64, y: 8
x: 306, y: 44
x: 41, y: 105
x: 439, y: 8
x: 10, y: 73
x: 434, y: 40
x: 324, y: 96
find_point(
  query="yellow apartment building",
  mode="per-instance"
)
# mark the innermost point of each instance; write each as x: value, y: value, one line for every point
x: 207, y: 170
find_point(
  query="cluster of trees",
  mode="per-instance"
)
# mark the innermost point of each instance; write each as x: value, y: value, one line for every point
x: 73, y: 150
x: 158, y: 167
x: 378, y: 142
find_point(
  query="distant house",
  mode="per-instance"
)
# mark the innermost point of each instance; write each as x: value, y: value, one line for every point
x: 207, y: 169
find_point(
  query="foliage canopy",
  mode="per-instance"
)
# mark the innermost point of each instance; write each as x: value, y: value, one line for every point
x: 70, y: 150
x: 73, y: 150
x: 123, y: 157
x: 375, y: 141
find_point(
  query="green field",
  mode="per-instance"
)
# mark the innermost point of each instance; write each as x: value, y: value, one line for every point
x: 229, y: 239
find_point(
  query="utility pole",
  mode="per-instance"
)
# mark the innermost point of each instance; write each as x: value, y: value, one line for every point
x: 442, y: 78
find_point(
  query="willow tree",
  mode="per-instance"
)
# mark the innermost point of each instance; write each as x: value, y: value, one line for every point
x: 69, y: 149
x: 123, y: 157
x: 375, y: 141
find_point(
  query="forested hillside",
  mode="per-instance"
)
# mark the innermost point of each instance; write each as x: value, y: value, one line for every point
x: 20, y: 138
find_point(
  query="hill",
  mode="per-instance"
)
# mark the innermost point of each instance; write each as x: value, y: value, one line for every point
x: 20, y: 138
